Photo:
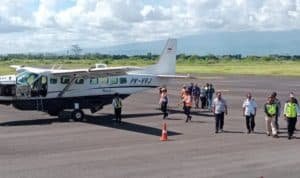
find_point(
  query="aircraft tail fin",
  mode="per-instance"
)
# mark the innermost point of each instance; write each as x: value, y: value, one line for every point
x: 167, y: 60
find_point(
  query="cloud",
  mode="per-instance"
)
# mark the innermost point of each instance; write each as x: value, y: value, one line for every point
x: 57, y: 24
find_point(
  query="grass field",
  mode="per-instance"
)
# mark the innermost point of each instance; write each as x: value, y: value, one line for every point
x: 284, y: 68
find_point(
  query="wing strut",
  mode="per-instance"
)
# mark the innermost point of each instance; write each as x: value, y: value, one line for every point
x: 67, y: 86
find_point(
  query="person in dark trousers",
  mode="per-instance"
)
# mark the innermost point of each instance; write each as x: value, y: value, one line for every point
x: 292, y: 95
x: 117, y: 104
x: 190, y: 88
x: 277, y: 102
x: 291, y: 110
x: 196, y: 95
x: 210, y: 94
x: 203, y: 97
x: 187, y: 105
x: 270, y: 109
x: 249, y: 111
x: 219, y: 108
x: 163, y: 101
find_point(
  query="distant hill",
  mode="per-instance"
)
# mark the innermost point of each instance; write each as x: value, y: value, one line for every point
x: 219, y: 43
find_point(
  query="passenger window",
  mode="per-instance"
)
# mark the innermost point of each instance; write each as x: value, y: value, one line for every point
x: 64, y: 80
x: 123, y: 80
x: 79, y: 81
x: 103, y: 81
x: 53, y: 80
x: 114, y: 81
x: 94, y: 81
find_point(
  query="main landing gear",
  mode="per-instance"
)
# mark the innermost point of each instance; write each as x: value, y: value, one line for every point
x: 76, y: 115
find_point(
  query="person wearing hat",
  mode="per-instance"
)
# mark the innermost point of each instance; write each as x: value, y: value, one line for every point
x: 117, y: 104
x: 291, y: 110
x: 163, y: 101
x: 271, y: 109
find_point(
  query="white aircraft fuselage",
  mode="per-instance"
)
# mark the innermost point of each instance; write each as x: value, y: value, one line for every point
x: 56, y: 90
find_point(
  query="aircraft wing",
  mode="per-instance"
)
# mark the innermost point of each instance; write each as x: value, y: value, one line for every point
x: 96, y: 72
x: 177, y: 76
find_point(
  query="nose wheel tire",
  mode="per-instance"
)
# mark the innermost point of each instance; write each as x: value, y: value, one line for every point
x: 77, y: 115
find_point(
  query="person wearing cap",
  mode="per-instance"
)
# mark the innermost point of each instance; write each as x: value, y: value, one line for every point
x: 291, y: 110
x: 277, y: 102
x: 219, y: 108
x: 163, y: 101
x: 271, y: 109
x: 117, y: 104
x: 249, y: 111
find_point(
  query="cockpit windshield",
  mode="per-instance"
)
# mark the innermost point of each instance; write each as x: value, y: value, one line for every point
x: 26, y: 78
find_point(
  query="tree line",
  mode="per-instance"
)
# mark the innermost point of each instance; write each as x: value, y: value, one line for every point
x: 149, y: 56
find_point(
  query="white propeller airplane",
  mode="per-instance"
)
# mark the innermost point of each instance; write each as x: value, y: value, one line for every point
x: 55, y: 90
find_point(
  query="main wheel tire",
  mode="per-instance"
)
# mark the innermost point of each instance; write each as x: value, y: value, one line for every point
x: 77, y: 115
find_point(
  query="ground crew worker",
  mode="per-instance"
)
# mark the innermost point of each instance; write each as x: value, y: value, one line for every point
x: 291, y: 110
x: 292, y: 95
x: 270, y: 109
x: 277, y: 102
x: 187, y: 105
x: 163, y: 101
x: 117, y: 104
x: 249, y: 111
x: 219, y: 108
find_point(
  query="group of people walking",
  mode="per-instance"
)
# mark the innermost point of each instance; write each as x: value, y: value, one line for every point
x: 199, y: 94
x: 272, y: 110
x: 189, y: 95
x: 219, y: 107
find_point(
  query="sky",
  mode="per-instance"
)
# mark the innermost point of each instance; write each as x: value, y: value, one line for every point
x: 55, y: 25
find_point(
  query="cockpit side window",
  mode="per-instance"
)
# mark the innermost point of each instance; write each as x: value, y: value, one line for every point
x: 26, y: 78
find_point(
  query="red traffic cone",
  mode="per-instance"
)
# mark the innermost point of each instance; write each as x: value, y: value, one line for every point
x: 164, y: 133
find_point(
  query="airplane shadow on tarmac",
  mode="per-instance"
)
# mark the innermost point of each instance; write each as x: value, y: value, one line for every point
x: 105, y: 120
x: 193, y: 112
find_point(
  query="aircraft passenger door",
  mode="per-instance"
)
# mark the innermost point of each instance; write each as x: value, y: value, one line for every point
x: 43, y: 90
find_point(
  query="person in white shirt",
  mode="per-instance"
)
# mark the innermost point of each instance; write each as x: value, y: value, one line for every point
x: 219, y: 108
x: 249, y: 111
